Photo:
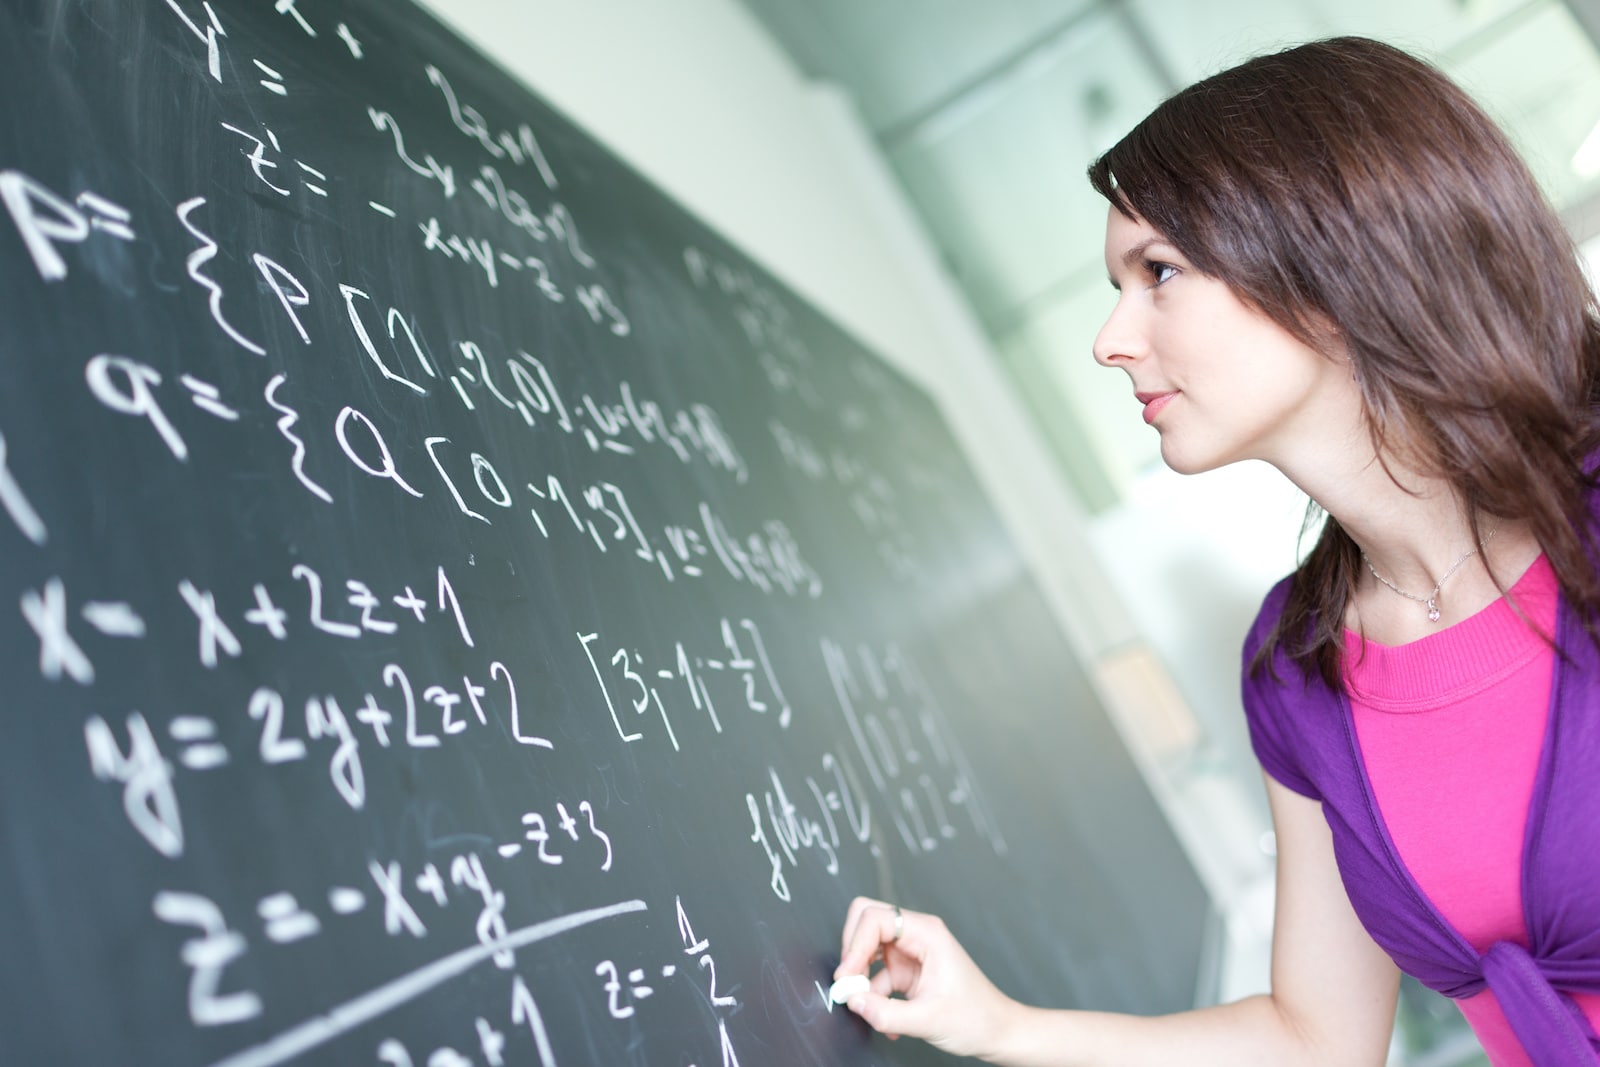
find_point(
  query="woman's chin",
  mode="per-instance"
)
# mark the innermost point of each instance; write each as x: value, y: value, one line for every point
x: 1182, y: 461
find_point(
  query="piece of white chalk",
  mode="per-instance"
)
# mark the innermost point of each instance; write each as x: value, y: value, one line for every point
x: 848, y: 986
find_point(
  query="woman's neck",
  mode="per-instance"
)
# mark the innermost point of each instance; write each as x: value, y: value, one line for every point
x: 1418, y: 542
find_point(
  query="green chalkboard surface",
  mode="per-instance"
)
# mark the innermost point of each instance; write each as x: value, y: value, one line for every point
x: 456, y: 609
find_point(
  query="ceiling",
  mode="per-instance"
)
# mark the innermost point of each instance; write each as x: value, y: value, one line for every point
x: 988, y: 113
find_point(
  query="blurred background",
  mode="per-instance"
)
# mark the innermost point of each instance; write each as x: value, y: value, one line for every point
x: 915, y: 168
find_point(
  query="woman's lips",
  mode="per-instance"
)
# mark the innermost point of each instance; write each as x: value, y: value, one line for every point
x: 1153, y: 403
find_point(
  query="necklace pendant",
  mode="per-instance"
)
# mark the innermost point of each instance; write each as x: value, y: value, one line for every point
x: 1433, y: 610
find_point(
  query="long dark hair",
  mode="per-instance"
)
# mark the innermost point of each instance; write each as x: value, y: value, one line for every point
x: 1358, y: 197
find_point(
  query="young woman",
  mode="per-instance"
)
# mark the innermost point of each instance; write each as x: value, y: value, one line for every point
x: 1331, y: 260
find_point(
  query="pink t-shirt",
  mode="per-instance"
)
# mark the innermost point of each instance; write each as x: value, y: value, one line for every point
x: 1451, y: 728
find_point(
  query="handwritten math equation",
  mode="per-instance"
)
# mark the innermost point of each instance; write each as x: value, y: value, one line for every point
x: 380, y: 495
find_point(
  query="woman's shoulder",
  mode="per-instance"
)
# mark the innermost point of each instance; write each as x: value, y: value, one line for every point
x: 1267, y: 616
x: 1280, y: 702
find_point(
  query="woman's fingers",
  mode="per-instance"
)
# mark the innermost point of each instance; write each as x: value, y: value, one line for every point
x: 890, y: 1017
x: 859, y: 907
x: 869, y: 926
x: 882, y: 983
x: 928, y: 987
x: 852, y: 919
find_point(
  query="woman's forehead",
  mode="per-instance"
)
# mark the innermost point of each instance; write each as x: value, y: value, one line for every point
x: 1127, y: 237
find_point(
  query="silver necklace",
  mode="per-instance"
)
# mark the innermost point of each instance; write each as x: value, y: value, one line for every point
x: 1432, y: 599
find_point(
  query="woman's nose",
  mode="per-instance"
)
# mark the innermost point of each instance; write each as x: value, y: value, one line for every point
x: 1119, y: 341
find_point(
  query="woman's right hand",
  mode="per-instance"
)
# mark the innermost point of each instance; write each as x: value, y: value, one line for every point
x: 948, y: 1001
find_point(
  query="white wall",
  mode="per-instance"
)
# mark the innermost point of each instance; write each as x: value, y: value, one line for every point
x: 695, y: 95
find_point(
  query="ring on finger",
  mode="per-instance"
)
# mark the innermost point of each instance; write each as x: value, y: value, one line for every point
x: 899, y: 924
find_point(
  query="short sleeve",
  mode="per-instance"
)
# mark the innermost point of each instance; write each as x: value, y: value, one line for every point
x: 1268, y: 714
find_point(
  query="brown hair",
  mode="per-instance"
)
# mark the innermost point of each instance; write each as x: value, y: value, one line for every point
x: 1352, y: 192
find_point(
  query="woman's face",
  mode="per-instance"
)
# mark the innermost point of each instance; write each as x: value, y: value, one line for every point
x: 1219, y: 380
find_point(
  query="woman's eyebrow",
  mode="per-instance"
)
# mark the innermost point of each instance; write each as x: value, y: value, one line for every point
x: 1133, y: 255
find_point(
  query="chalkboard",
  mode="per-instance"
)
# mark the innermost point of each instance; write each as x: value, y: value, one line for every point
x: 454, y: 608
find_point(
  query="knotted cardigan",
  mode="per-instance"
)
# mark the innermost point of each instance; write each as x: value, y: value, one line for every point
x: 1304, y: 736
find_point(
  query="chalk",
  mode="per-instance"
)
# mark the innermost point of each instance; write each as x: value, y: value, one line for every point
x: 848, y: 986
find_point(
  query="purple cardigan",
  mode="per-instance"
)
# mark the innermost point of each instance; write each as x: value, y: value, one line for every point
x: 1304, y: 736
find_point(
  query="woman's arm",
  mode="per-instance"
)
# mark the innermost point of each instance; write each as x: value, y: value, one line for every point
x: 1332, y: 1000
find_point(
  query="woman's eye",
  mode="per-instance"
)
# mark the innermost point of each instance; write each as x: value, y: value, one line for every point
x: 1160, y: 272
